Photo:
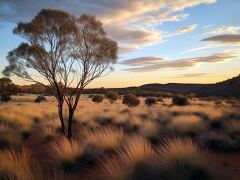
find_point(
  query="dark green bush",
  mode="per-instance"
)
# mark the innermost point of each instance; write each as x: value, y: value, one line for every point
x: 180, y: 101
x: 111, y: 96
x: 40, y: 99
x: 97, y: 98
x: 130, y: 100
x: 150, y: 101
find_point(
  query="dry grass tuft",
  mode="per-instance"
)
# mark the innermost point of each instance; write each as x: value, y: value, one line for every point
x: 15, y: 165
x: 105, y: 139
x: 187, y: 124
x: 64, y: 150
x: 179, y: 149
x: 49, y: 132
x: 136, y: 150
x: 182, y: 159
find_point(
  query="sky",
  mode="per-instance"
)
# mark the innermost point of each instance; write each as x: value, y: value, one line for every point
x: 160, y: 41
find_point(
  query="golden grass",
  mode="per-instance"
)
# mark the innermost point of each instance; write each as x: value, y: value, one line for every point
x: 112, y: 168
x: 22, y: 114
x: 121, y: 167
x: 49, y: 132
x: 187, y: 123
x: 149, y: 129
x: 15, y: 165
x: 180, y: 149
x: 183, y: 159
x: 64, y: 150
x: 105, y: 138
x: 137, y: 149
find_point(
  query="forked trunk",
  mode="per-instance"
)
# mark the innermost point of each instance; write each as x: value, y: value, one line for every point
x: 70, y: 119
x: 60, y: 114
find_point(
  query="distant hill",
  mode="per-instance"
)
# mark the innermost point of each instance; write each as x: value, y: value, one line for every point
x: 228, y: 88
x: 173, y: 87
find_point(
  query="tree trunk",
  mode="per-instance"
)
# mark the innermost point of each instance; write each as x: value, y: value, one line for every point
x: 70, y: 118
x: 60, y: 114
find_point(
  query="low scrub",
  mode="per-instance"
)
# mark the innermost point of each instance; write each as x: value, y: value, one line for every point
x: 180, y: 101
x: 40, y: 99
x: 130, y: 100
x: 97, y: 98
x: 150, y: 101
x: 111, y: 96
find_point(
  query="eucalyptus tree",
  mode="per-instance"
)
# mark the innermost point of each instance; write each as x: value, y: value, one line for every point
x: 67, y: 52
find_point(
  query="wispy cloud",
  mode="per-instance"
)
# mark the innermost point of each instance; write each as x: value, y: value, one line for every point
x: 224, y: 30
x: 186, y: 29
x: 142, y: 61
x: 152, y: 65
x: 224, y: 38
x: 190, y: 75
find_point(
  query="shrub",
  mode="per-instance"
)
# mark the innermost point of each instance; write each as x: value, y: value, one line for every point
x: 97, y: 98
x: 7, y: 88
x: 219, y: 142
x: 160, y: 99
x: 130, y: 100
x: 5, y: 98
x: 40, y: 99
x: 91, y: 96
x: 150, y: 101
x: 111, y: 96
x: 180, y: 101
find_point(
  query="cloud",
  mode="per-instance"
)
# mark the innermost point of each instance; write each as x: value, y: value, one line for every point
x: 189, y: 75
x: 186, y: 29
x: 176, y: 64
x: 141, y: 61
x: 132, y: 23
x: 224, y: 30
x: 224, y: 38
x: 132, y: 36
x: 127, y: 49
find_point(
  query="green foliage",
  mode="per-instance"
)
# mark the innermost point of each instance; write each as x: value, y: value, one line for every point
x: 97, y: 98
x: 7, y: 88
x: 150, y: 101
x: 111, y: 96
x: 40, y: 99
x: 130, y: 100
x: 180, y: 100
